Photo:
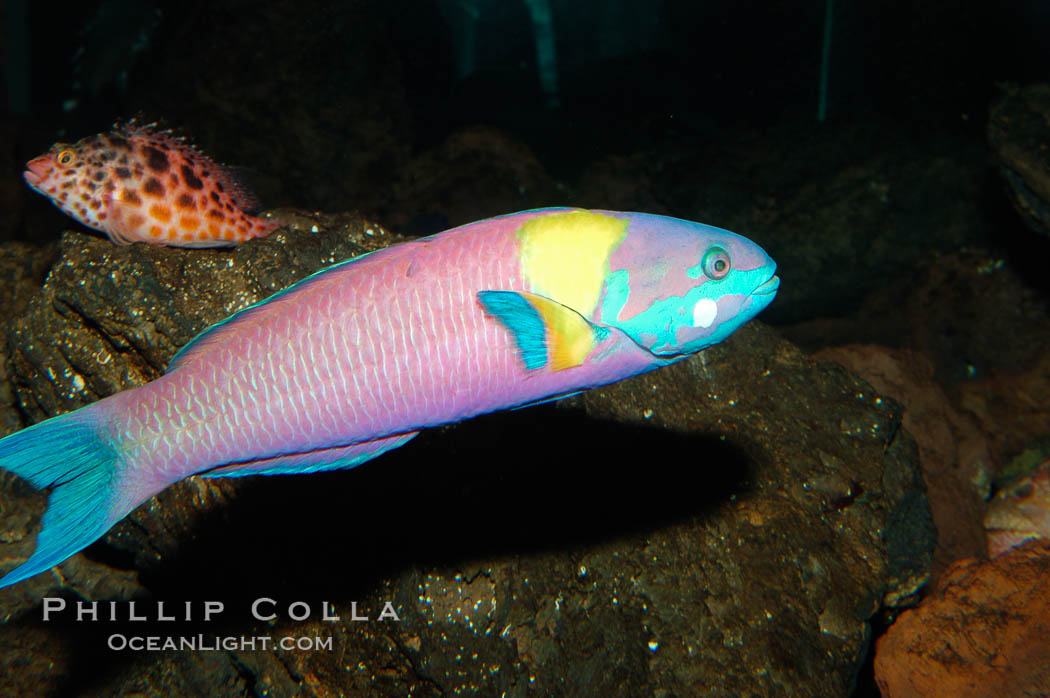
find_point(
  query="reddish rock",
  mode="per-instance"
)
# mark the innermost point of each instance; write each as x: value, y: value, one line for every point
x: 986, y: 632
x: 953, y: 453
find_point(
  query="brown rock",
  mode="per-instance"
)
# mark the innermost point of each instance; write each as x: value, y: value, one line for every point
x: 986, y: 632
x: 475, y: 173
x: 972, y: 314
x: 1019, y: 136
x: 726, y: 525
x: 953, y: 452
x: 984, y: 329
x: 1011, y: 407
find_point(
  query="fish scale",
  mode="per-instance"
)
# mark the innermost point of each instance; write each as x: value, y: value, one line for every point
x: 356, y: 359
x: 137, y: 184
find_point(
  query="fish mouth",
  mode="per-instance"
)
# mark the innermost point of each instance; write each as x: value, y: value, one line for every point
x: 36, y: 170
x: 769, y: 286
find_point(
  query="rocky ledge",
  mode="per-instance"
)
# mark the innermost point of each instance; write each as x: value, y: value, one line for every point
x: 731, y: 525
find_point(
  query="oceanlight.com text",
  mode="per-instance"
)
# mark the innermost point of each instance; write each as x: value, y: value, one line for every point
x: 208, y: 643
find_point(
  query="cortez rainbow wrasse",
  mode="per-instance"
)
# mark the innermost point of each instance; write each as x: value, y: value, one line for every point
x: 137, y: 184
x: 356, y: 359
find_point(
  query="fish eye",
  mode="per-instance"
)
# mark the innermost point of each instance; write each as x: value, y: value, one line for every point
x: 716, y: 263
x: 65, y: 158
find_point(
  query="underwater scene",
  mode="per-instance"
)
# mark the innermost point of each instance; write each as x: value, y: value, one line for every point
x: 525, y: 348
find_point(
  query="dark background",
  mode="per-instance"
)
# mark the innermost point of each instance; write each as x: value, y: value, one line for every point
x: 702, y: 110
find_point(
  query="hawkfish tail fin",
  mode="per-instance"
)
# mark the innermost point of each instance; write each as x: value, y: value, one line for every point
x: 73, y: 458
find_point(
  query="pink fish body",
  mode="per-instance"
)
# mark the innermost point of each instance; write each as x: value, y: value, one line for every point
x: 136, y: 184
x: 356, y: 359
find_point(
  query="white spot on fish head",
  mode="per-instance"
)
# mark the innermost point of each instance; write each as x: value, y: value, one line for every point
x: 704, y: 312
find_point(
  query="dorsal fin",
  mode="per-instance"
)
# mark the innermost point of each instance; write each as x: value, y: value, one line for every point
x: 231, y: 184
x: 240, y: 193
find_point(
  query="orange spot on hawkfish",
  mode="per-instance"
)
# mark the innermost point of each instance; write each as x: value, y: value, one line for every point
x: 189, y: 223
x: 160, y: 212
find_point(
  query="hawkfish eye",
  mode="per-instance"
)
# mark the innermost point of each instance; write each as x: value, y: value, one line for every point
x: 716, y: 263
x: 65, y: 158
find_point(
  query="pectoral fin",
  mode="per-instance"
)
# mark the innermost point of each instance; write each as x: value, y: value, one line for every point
x: 547, y: 333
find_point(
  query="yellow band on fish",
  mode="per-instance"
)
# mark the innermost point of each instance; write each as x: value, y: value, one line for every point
x: 565, y: 256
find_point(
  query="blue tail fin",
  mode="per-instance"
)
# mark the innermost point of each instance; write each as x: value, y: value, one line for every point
x: 67, y: 456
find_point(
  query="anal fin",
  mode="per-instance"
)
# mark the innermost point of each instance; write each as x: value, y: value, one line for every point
x: 338, y: 458
x: 545, y: 400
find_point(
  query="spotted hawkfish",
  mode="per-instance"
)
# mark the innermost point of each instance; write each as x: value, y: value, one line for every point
x: 353, y: 361
x: 138, y: 184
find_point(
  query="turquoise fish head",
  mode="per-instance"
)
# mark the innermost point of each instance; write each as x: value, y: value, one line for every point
x: 676, y: 287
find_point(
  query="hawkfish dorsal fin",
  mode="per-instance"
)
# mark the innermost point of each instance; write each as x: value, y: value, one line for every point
x: 546, y: 332
x: 233, y: 179
x: 227, y: 179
